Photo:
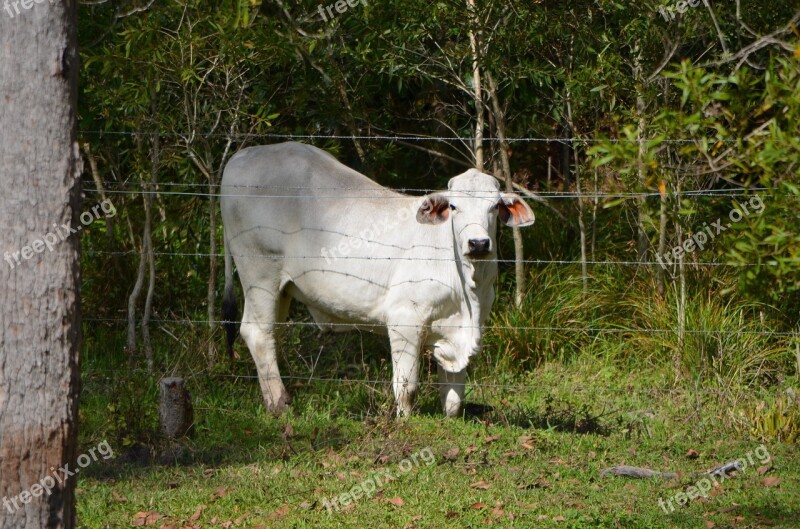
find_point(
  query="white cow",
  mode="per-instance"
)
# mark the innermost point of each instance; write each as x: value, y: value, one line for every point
x: 300, y: 225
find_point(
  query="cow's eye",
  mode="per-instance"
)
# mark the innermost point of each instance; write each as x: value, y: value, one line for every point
x: 453, y: 207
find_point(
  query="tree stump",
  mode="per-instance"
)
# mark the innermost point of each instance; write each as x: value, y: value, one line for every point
x: 175, y: 409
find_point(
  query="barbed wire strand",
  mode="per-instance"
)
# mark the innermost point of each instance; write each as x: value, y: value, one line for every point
x: 389, y: 193
x: 474, y: 384
x: 727, y: 193
x: 688, y: 192
x: 389, y: 137
x: 364, y: 326
x: 333, y: 258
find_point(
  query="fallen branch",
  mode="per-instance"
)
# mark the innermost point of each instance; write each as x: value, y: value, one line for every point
x: 644, y: 473
x: 636, y: 472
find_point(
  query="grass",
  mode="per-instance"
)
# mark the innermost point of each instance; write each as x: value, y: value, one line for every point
x: 547, y: 411
x: 534, y: 459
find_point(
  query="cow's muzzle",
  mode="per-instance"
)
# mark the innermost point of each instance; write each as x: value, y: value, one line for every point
x: 479, y: 247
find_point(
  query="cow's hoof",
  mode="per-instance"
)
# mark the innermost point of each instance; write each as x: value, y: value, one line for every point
x: 402, y: 411
x: 278, y: 407
x: 452, y: 411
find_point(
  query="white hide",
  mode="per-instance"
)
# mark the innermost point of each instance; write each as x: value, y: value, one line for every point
x: 302, y: 226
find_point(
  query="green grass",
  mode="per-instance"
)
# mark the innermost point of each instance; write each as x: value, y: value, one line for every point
x: 729, y: 342
x: 275, y: 472
x: 548, y: 410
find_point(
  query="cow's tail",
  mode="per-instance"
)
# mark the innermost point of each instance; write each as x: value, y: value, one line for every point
x: 230, y: 311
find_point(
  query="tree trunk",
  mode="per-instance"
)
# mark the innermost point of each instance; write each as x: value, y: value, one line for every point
x: 662, y: 235
x: 579, y: 190
x: 476, y: 84
x: 175, y: 411
x: 595, y: 205
x: 663, y: 220
x: 681, y: 299
x: 566, y: 167
x: 155, y: 157
x: 98, y: 182
x: 642, y: 240
x: 146, y: 259
x: 40, y: 171
x: 213, y: 246
x: 519, y: 251
x: 134, y: 297
x: 211, y: 291
x: 582, y: 229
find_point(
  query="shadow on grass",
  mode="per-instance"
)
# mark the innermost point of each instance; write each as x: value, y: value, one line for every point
x: 231, y: 425
x: 559, y: 416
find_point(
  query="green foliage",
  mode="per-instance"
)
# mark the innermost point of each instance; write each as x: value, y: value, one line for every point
x: 680, y: 111
x: 742, y: 132
x: 126, y: 412
x: 776, y: 420
x: 728, y: 341
x: 694, y: 357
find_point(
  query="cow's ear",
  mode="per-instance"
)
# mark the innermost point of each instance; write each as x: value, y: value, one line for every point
x: 514, y: 212
x: 435, y: 209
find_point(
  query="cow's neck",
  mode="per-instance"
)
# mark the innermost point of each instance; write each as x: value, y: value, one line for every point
x: 472, y: 276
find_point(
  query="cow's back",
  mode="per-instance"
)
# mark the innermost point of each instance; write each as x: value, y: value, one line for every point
x: 293, y: 199
x: 337, y: 239
x: 293, y: 169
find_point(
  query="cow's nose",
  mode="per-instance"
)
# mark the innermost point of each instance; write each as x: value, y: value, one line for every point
x: 479, y: 246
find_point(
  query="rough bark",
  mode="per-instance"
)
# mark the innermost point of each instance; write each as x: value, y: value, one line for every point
x: 175, y: 410
x: 40, y: 171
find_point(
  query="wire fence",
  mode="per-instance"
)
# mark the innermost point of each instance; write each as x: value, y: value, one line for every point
x: 399, y: 193
x: 473, y: 384
x: 211, y: 190
x: 435, y: 259
x: 388, y: 137
x: 378, y: 326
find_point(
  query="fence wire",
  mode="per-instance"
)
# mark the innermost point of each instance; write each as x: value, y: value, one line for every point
x: 209, y: 190
x: 387, y: 137
x: 688, y: 264
x: 389, y: 193
x: 353, y: 326
x: 472, y: 384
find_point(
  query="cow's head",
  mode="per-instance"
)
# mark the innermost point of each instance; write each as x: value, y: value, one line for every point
x: 473, y: 203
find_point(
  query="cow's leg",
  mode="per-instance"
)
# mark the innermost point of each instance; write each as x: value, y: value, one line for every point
x: 261, y: 312
x: 451, y: 391
x: 405, y: 342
